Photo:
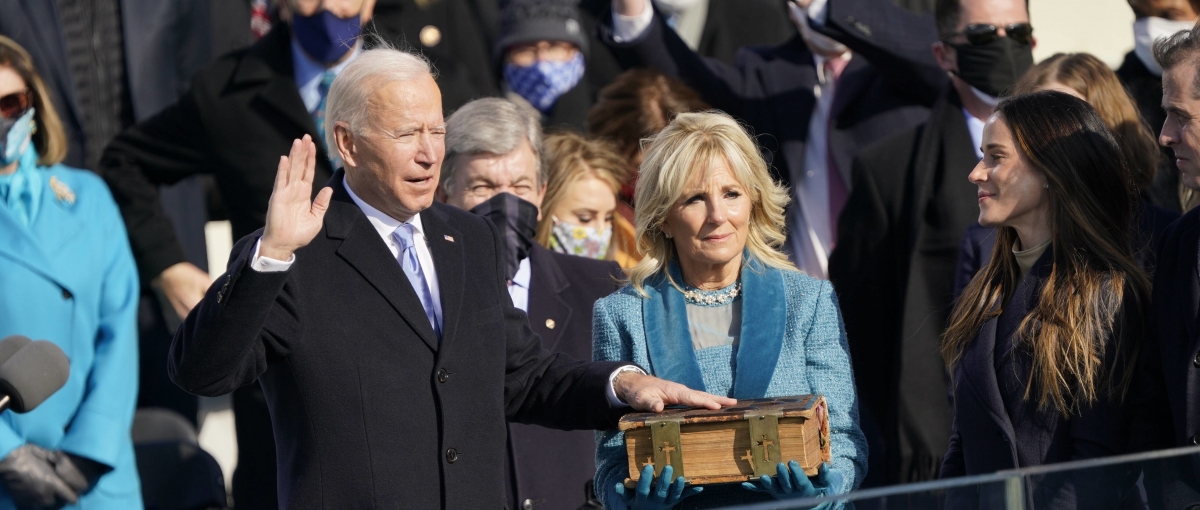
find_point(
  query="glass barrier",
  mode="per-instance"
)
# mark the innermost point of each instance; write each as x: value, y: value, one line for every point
x: 1165, y: 479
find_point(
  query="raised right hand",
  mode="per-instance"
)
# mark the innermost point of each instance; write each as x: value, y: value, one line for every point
x: 629, y: 7
x: 184, y: 286
x: 292, y: 219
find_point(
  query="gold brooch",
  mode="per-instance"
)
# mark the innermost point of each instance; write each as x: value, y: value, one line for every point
x: 62, y: 191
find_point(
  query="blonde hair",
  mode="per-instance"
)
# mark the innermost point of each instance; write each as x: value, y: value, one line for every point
x: 49, y: 139
x: 685, y: 150
x: 570, y: 158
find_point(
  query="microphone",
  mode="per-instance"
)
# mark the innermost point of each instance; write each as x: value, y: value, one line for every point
x: 31, y: 373
x: 11, y: 344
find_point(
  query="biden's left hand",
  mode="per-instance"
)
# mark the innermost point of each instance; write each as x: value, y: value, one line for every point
x: 648, y: 393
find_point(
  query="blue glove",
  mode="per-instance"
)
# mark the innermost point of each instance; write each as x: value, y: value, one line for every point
x: 790, y: 483
x: 665, y: 494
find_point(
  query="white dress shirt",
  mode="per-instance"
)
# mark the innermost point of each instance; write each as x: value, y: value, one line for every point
x: 518, y: 290
x: 975, y: 127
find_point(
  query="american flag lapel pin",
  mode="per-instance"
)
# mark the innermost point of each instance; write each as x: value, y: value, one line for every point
x: 449, y: 238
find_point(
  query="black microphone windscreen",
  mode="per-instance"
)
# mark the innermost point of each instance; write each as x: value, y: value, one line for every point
x: 34, y: 373
x: 10, y: 345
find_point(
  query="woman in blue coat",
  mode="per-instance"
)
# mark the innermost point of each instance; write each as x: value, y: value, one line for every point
x: 1043, y: 340
x: 715, y: 306
x: 67, y: 276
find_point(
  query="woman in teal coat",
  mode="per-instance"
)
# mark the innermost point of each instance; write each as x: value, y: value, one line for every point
x: 715, y: 306
x: 66, y: 275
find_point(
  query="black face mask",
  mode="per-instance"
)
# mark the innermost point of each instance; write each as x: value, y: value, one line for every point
x: 516, y: 220
x: 994, y: 67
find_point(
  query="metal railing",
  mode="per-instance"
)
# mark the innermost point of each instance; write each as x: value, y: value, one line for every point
x: 1013, y: 484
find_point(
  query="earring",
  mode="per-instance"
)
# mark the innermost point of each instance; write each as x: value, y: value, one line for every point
x: 1047, y: 185
x: 668, y: 234
x: 33, y: 131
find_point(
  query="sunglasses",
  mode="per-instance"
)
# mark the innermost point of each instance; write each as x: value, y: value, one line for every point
x: 14, y: 105
x: 982, y: 33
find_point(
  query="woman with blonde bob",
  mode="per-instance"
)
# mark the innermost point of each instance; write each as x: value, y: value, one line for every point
x: 714, y: 305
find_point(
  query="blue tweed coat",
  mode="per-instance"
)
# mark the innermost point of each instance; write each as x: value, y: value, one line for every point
x: 792, y: 338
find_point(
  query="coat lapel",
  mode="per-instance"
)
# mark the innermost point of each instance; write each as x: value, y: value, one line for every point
x: 668, y: 339
x: 978, y: 370
x: 37, y: 245
x: 448, y: 260
x: 764, y: 318
x: 547, y: 284
x: 366, y: 252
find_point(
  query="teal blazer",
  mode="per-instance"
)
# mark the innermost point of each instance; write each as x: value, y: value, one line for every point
x: 792, y: 343
x: 69, y: 278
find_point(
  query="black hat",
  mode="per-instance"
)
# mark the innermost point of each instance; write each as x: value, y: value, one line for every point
x: 524, y: 21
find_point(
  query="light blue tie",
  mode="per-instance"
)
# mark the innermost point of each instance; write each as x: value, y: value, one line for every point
x: 412, y: 269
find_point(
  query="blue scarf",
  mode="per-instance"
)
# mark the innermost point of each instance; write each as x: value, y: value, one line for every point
x: 20, y: 191
x: 544, y: 82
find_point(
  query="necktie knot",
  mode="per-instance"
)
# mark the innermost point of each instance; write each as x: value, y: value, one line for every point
x: 326, y: 82
x: 404, y: 236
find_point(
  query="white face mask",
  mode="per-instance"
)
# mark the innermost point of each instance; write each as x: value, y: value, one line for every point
x: 1150, y: 29
x: 674, y: 7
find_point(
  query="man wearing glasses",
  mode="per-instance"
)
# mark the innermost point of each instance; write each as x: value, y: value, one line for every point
x: 899, y: 235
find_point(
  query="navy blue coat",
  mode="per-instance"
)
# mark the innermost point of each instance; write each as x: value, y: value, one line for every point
x: 996, y: 428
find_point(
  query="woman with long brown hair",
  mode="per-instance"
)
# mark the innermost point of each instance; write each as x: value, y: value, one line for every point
x: 1041, y: 341
x: 1087, y: 77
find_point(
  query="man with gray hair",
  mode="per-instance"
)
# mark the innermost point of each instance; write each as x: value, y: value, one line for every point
x: 378, y: 322
x: 1169, y: 400
x: 494, y: 168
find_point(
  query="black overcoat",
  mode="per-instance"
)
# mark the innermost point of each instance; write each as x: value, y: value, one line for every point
x: 370, y: 409
x: 996, y: 428
x: 894, y: 268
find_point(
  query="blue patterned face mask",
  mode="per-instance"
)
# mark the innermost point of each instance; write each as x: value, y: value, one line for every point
x: 13, y: 137
x: 544, y: 82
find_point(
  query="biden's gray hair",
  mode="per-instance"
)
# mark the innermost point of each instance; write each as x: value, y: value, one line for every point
x: 348, y: 96
x: 490, y: 126
x: 1182, y: 47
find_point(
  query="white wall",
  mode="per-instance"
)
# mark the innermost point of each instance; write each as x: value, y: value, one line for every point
x: 1103, y: 28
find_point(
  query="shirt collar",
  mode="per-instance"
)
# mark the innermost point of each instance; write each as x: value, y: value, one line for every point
x: 383, y: 223
x: 521, y: 279
x: 975, y: 127
x: 308, y: 72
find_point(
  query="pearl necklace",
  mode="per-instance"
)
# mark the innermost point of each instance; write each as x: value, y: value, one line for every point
x: 712, y: 298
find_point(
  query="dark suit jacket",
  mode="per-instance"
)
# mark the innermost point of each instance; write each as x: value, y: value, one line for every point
x: 728, y: 26
x: 165, y: 43
x: 550, y: 467
x: 893, y: 268
x: 369, y: 407
x: 1168, y: 408
x: 996, y: 428
x: 771, y: 90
